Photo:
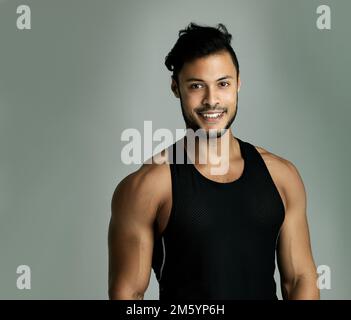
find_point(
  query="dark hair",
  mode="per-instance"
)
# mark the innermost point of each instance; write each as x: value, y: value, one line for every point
x: 198, y: 41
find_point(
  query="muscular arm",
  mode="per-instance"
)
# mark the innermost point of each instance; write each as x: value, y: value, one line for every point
x: 295, y: 262
x: 130, y: 237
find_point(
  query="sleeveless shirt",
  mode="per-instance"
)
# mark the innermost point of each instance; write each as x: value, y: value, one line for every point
x: 220, y: 240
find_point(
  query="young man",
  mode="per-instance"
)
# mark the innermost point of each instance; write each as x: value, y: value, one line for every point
x: 211, y: 236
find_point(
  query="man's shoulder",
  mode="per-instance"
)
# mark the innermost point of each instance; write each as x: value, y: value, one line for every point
x: 151, y: 180
x: 284, y: 170
x: 281, y: 164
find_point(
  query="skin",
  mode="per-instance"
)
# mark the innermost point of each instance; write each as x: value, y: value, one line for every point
x: 142, y: 201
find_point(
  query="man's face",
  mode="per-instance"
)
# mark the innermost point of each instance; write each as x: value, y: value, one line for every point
x: 208, y: 91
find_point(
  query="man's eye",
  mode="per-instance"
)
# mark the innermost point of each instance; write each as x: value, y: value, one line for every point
x: 195, y: 86
x: 224, y: 84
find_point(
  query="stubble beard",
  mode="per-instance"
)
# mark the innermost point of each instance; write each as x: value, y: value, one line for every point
x: 193, y: 125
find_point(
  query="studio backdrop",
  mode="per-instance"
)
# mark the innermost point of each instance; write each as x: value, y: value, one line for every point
x: 74, y: 75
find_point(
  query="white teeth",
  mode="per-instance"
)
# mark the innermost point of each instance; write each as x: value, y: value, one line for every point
x: 211, y: 115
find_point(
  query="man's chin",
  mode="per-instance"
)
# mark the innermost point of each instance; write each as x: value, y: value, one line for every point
x: 216, y: 133
x: 211, y: 133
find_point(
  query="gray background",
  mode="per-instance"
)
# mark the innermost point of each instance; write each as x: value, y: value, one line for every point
x: 90, y: 69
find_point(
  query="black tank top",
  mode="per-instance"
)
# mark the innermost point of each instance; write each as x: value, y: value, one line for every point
x: 220, y: 239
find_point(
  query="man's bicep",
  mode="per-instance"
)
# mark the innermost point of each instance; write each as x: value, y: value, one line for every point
x: 130, y: 241
x: 294, y: 249
x: 294, y: 252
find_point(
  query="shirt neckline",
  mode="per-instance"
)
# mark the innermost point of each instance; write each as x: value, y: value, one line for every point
x: 217, y: 183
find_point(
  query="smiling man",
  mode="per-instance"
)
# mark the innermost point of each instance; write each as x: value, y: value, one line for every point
x: 210, y: 236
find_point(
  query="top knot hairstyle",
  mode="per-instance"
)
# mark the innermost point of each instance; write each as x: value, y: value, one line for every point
x: 197, y: 41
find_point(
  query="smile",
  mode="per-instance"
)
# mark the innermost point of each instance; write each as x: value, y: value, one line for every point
x: 211, y: 116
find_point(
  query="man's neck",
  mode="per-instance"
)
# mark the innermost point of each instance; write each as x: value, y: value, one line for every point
x: 208, y: 152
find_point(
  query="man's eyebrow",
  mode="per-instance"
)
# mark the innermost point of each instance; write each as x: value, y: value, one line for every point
x: 200, y: 80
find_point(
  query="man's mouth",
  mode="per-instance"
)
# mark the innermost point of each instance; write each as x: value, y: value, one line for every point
x: 211, y: 116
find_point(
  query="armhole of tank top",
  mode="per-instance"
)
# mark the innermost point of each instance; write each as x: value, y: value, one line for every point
x: 270, y: 178
x: 275, y: 188
x: 280, y: 200
x: 162, y: 237
x: 173, y: 196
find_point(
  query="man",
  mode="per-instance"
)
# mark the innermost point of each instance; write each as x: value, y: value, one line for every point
x: 211, y: 236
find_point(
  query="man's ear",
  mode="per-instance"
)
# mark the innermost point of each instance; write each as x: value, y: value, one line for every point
x: 175, y: 88
x: 239, y: 82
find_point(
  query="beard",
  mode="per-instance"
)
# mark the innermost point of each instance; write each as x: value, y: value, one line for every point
x: 191, y: 123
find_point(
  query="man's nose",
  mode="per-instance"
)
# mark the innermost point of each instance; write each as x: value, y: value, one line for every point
x: 211, y: 97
